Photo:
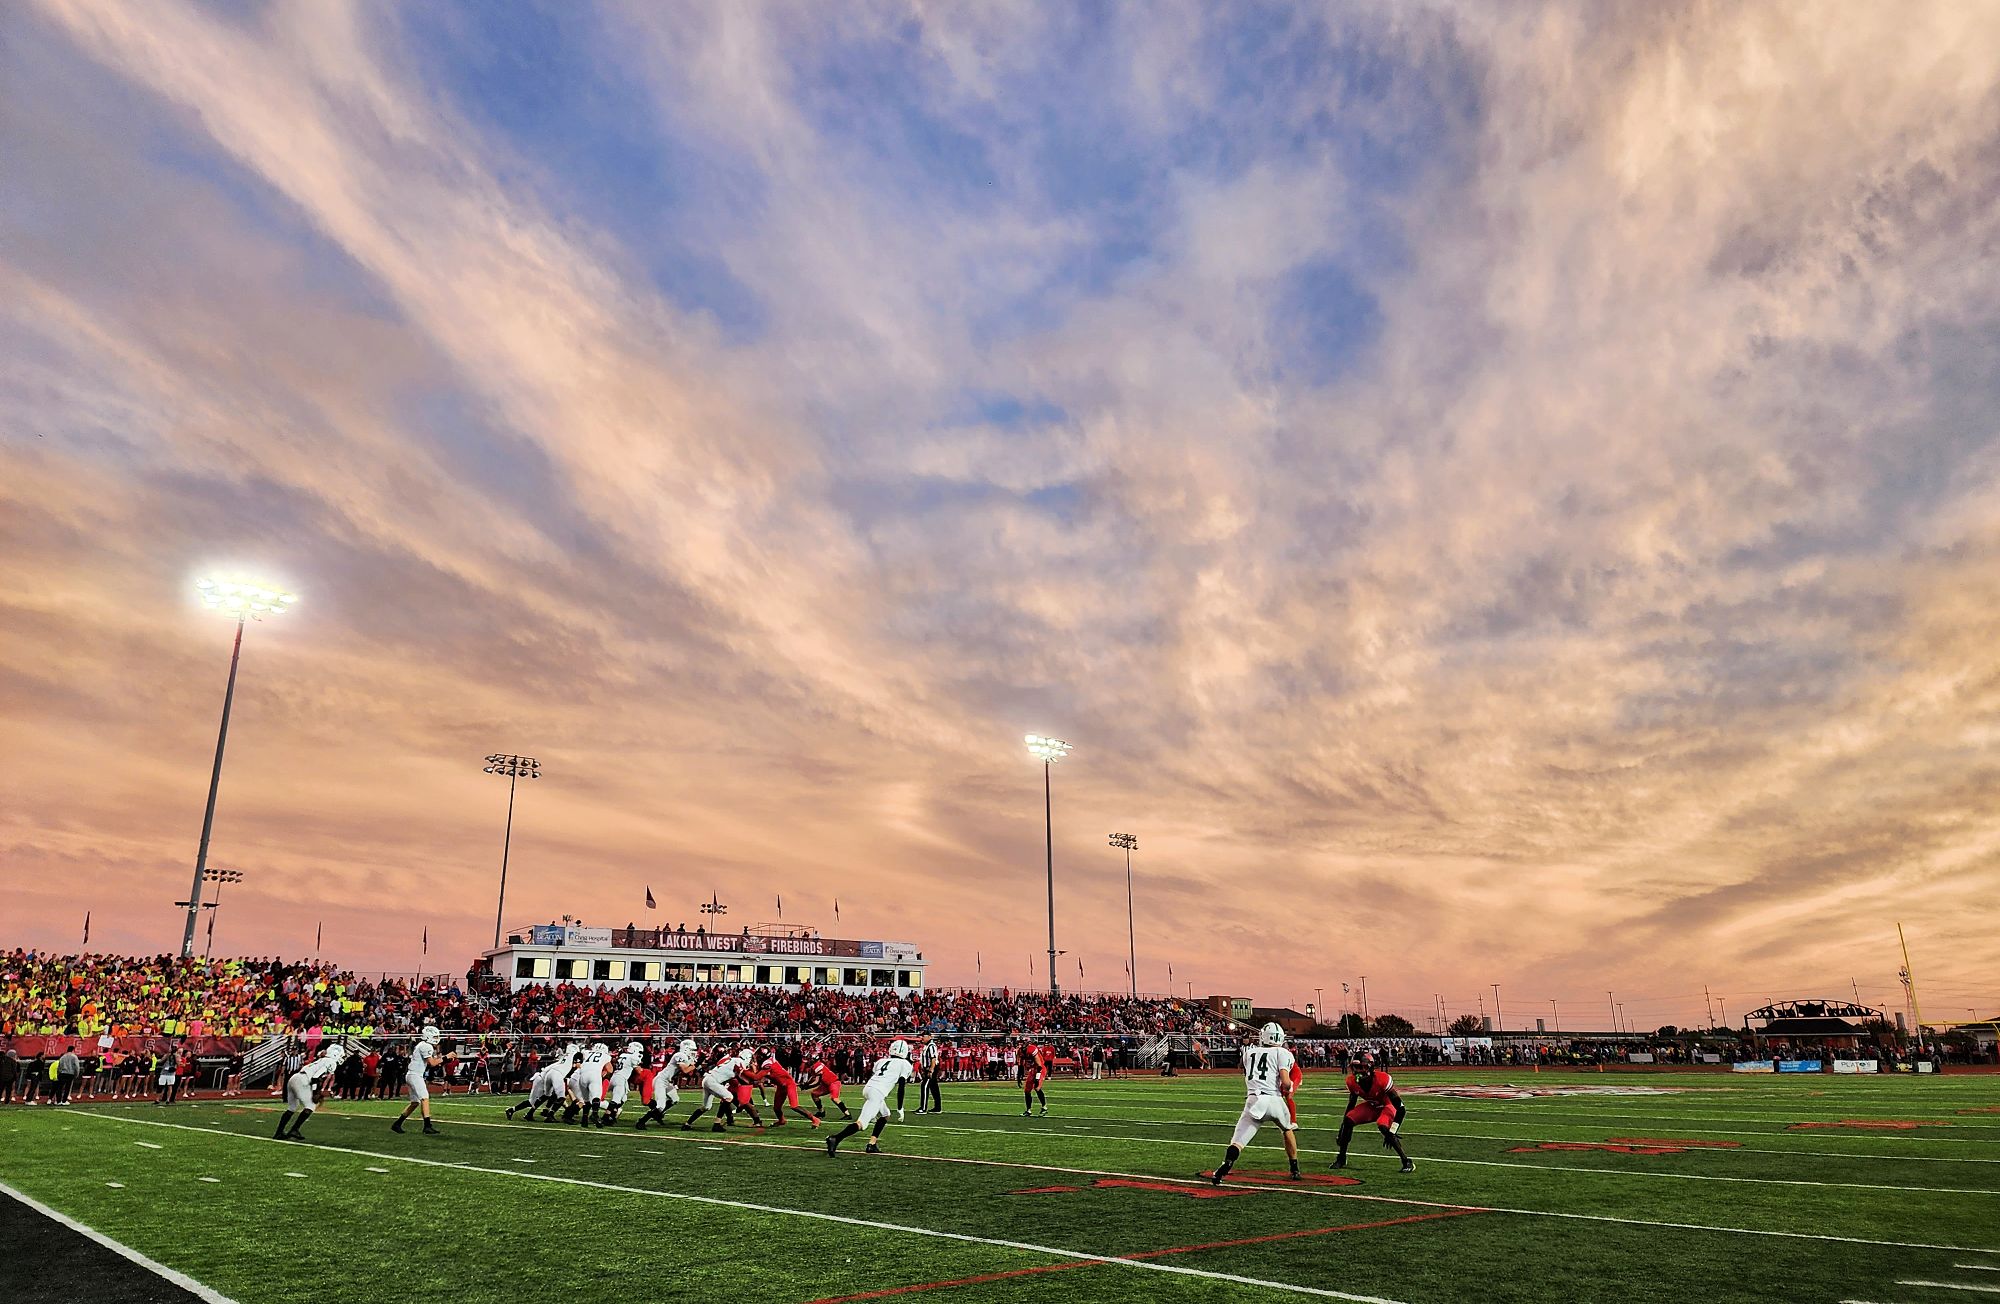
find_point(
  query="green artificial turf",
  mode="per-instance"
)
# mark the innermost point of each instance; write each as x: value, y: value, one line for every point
x: 514, y: 1211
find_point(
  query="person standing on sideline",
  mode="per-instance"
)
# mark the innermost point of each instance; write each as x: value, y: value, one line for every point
x: 423, y: 1058
x: 68, y: 1069
x: 930, y: 1089
x: 1267, y: 1086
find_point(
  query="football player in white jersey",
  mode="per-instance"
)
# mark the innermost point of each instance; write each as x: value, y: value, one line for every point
x: 299, y: 1090
x: 621, y: 1081
x: 666, y: 1082
x: 587, y: 1085
x: 1267, y: 1085
x: 719, y: 1086
x: 423, y: 1058
x: 546, y: 1090
x: 890, y: 1073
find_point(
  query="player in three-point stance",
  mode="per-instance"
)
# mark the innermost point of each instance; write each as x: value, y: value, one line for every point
x: 666, y: 1092
x: 1267, y: 1084
x: 892, y: 1071
x: 1372, y: 1098
x: 423, y: 1058
x: 825, y: 1085
x: 299, y: 1090
x: 545, y: 1092
x: 719, y: 1085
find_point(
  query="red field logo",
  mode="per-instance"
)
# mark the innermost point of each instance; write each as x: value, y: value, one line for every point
x: 1864, y: 1125
x: 1508, y: 1091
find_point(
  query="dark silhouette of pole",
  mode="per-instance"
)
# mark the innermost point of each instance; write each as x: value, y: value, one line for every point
x: 1049, y: 751
x: 1130, y: 843
x: 513, y: 767
x: 214, y: 785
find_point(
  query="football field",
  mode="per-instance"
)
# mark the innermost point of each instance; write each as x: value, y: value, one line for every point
x: 1529, y: 1187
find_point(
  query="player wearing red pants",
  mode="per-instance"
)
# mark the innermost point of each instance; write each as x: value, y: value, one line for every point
x: 784, y: 1089
x: 825, y: 1086
x: 1372, y: 1098
x: 1035, y: 1063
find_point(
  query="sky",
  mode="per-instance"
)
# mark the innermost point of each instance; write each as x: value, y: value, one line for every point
x: 1493, y: 494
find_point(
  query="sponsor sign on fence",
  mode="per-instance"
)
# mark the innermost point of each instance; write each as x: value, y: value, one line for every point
x: 1855, y: 1066
x: 1639, y: 1057
x: 1753, y: 1066
x: 1798, y: 1066
x: 1707, y: 1057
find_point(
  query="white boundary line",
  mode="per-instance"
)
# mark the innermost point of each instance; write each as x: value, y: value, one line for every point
x: 1281, y: 1189
x: 1953, y: 1285
x: 161, y: 1270
x: 746, y: 1205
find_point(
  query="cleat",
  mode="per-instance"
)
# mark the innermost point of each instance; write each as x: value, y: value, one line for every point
x: 1409, y: 1165
x: 1215, y: 1178
x: 873, y: 1149
x: 430, y: 1130
x: 832, y: 1145
x: 1027, y: 1113
x: 396, y: 1126
x: 1341, y: 1162
x: 814, y: 1122
x: 510, y: 1113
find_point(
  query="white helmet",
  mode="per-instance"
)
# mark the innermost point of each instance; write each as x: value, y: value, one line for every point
x: 431, y: 1032
x: 1271, y: 1035
x: 687, y: 1044
x: 899, y: 1049
x: 334, y: 1051
x: 599, y: 1048
x: 634, y: 1048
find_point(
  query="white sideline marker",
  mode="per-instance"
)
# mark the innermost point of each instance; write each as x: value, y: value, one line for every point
x: 1953, y: 1285
x: 295, y: 1174
x: 377, y: 1170
x: 216, y: 1180
x: 116, y: 1186
x: 149, y: 1145
x: 1977, y: 1267
x: 181, y: 1279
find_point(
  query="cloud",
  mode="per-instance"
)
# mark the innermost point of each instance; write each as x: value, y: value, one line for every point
x: 1471, y: 483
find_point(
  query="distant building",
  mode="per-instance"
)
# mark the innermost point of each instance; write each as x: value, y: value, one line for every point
x: 547, y: 954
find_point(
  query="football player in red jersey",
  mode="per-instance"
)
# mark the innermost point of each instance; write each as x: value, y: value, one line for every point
x: 1035, y: 1062
x: 1298, y: 1076
x: 784, y: 1089
x: 825, y: 1085
x: 1372, y: 1098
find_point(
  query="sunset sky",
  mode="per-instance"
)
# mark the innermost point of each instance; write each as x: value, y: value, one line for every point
x: 1493, y: 494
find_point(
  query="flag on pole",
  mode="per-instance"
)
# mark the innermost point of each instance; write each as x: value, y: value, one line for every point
x: 427, y: 939
x: 978, y: 966
x: 319, y: 930
x: 836, y: 907
x: 86, y: 928
x: 650, y: 903
x: 1031, y: 964
x: 1079, y: 968
x: 781, y: 905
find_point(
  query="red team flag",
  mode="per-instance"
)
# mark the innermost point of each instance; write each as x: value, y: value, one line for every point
x: 427, y: 939
x: 86, y: 928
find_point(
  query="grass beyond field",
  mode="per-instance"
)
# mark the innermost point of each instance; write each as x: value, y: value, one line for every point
x: 1676, y: 1185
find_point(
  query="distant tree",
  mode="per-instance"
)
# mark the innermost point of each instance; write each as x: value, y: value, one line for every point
x: 1350, y: 1025
x: 1467, y: 1025
x: 1668, y: 1032
x: 1394, y: 1025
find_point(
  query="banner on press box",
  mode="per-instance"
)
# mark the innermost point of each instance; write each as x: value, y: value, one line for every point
x: 1854, y: 1066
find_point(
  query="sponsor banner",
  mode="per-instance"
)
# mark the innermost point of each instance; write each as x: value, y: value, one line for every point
x: 1639, y: 1057
x: 871, y: 950
x: 1706, y: 1058
x: 899, y: 951
x: 547, y: 934
x: 1753, y: 1066
x: 1855, y: 1066
x: 1925, y: 1066
x: 588, y: 936
x: 1798, y: 1066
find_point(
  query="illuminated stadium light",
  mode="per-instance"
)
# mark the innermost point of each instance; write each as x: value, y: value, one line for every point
x: 1129, y: 843
x: 513, y: 769
x: 244, y: 601
x: 1048, y: 751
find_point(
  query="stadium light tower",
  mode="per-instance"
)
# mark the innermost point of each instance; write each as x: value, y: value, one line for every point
x: 515, y: 768
x: 1499, y: 1020
x: 244, y: 602
x: 1048, y: 751
x: 217, y: 877
x: 1130, y: 842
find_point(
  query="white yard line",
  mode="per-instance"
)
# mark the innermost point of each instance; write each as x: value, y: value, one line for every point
x: 181, y: 1279
x: 1277, y: 1189
x: 1953, y: 1285
x: 1499, y: 1163
x: 749, y: 1206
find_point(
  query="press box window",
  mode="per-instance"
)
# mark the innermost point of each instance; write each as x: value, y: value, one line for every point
x: 528, y: 966
x: 856, y: 978
x: 573, y: 969
x: 608, y: 970
x: 646, y: 971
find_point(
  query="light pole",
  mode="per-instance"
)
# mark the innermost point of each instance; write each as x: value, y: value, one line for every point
x: 1048, y: 751
x: 217, y: 877
x: 244, y: 602
x: 515, y: 768
x: 1499, y: 1020
x: 1614, y: 1011
x: 1130, y: 842
x: 1555, y: 1014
